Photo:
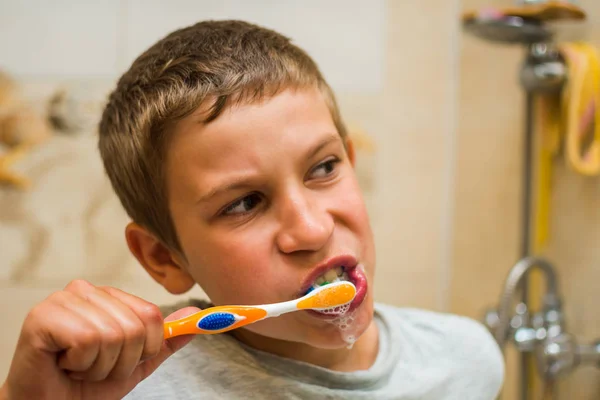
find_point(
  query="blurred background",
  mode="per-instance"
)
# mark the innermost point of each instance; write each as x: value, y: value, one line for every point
x: 440, y: 116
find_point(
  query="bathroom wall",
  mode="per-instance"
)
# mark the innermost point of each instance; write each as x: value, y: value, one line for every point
x: 442, y: 187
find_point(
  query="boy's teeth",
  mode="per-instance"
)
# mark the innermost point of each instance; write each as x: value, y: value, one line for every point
x: 333, y: 275
x: 330, y: 275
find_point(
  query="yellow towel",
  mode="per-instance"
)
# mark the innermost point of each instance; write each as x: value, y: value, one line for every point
x: 570, y: 120
x: 581, y: 108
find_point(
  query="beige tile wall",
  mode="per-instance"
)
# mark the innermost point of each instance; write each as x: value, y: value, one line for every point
x: 487, y: 186
x: 414, y: 154
x: 443, y: 187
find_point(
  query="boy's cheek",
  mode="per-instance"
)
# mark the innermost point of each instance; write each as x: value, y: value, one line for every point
x: 350, y: 195
x: 248, y: 288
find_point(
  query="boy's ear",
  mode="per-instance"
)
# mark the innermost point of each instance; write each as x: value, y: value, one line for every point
x: 350, y: 150
x: 162, y: 263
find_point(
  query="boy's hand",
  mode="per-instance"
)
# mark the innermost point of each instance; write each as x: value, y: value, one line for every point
x: 88, y: 342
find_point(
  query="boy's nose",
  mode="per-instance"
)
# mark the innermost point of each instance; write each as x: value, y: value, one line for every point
x: 303, y: 225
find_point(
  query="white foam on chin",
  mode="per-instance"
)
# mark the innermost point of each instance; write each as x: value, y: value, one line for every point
x: 345, y: 324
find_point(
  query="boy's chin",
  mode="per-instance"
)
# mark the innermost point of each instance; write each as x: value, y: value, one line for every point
x: 332, y: 335
x: 333, y: 343
x: 341, y: 335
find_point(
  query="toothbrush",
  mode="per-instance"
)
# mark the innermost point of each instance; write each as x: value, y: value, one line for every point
x: 225, y: 318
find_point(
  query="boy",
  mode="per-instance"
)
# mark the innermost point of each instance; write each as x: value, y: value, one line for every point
x: 227, y: 149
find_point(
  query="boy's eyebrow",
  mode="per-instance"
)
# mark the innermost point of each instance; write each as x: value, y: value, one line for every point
x: 237, y: 184
x: 333, y: 137
x: 242, y: 182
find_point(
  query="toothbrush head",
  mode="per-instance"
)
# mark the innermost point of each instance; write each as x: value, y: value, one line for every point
x: 217, y: 321
x: 328, y: 296
x: 214, y: 320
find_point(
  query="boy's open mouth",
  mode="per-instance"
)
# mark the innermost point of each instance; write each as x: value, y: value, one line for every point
x: 337, y: 269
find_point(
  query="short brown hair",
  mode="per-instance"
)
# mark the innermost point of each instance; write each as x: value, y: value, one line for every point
x: 212, y: 63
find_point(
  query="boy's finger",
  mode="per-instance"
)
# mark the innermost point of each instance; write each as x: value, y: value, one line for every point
x: 109, y: 333
x: 60, y: 329
x: 150, y: 316
x: 169, y: 347
x: 134, y: 331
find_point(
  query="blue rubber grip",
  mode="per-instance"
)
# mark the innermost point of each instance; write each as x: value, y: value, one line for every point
x: 216, y: 321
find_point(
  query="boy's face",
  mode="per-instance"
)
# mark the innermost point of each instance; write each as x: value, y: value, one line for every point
x: 265, y: 201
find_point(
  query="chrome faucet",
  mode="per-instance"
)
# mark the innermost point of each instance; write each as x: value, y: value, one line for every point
x: 543, y: 334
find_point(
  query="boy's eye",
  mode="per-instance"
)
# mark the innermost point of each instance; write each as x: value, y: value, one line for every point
x: 324, y: 169
x: 243, y: 205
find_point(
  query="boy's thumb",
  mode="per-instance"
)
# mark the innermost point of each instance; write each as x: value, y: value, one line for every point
x: 169, y: 346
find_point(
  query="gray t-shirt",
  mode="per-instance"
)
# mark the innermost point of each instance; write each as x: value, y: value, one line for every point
x: 422, y: 355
